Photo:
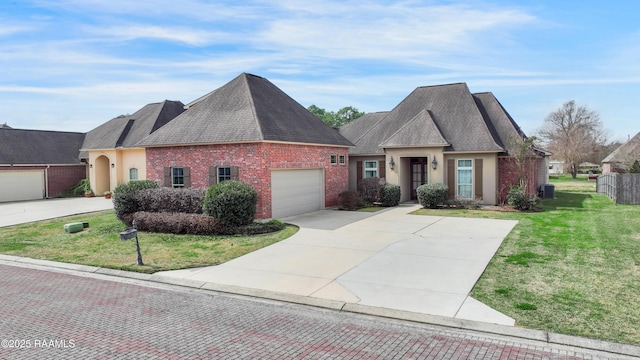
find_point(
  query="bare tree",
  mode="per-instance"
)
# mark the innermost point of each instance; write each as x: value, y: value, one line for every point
x: 574, y: 133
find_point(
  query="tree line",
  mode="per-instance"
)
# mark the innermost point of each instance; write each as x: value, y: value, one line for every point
x: 338, y: 118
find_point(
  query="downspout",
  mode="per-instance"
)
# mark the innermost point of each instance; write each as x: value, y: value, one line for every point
x: 46, y: 182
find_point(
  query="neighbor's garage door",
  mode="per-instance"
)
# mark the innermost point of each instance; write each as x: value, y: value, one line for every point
x: 296, y: 192
x: 21, y: 185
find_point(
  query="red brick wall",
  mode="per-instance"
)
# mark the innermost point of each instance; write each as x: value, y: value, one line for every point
x: 61, y: 177
x: 255, y: 161
x: 508, y: 174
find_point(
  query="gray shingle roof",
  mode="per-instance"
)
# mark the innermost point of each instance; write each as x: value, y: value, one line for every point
x: 442, y: 115
x: 419, y: 131
x: 126, y: 131
x: 625, y: 152
x: 248, y: 108
x: 358, y: 127
x: 39, y: 147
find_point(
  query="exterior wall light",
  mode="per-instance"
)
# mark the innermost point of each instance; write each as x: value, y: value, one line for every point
x: 392, y: 164
x: 113, y: 165
x: 434, y: 163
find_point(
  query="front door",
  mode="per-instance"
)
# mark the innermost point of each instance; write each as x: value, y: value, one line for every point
x: 418, y: 174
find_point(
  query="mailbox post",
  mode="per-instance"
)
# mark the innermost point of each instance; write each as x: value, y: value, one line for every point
x: 130, y: 233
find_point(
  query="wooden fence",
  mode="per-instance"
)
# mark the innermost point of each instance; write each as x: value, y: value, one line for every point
x: 621, y: 188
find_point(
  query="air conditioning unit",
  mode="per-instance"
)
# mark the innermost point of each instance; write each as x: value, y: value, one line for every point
x: 547, y: 191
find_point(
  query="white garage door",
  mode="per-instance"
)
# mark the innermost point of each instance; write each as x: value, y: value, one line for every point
x: 21, y: 185
x: 296, y: 192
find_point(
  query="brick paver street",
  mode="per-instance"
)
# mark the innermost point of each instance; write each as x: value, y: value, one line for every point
x: 50, y: 315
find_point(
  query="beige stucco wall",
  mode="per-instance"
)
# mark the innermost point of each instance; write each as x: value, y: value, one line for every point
x: 103, y: 177
x: 353, y: 171
x: 489, y: 174
x: 401, y: 174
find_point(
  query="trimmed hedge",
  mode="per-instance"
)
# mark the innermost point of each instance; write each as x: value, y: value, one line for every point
x: 196, y: 224
x: 349, y: 200
x: 433, y: 195
x: 177, y: 223
x: 124, y: 199
x: 390, y: 195
x: 231, y: 202
x: 165, y: 199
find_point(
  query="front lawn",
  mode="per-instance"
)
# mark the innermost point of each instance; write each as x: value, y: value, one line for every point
x: 573, y: 268
x: 100, y: 245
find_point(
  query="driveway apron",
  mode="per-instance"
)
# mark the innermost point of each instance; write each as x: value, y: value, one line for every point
x: 389, y: 259
x: 14, y: 213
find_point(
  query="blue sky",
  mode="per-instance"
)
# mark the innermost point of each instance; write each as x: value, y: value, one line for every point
x: 73, y: 64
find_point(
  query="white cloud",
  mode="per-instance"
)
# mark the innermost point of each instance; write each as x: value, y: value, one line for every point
x: 193, y: 37
x: 399, y: 32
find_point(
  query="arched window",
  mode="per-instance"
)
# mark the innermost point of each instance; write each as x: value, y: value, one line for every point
x: 133, y: 174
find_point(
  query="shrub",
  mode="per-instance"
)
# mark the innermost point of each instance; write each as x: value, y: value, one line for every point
x: 178, y: 223
x: 390, y: 195
x: 124, y: 200
x: 164, y: 199
x: 369, y: 189
x: 432, y: 195
x: 464, y: 202
x: 232, y: 202
x: 349, y: 200
x: 517, y: 198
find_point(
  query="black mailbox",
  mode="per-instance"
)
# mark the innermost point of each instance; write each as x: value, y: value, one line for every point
x: 128, y: 234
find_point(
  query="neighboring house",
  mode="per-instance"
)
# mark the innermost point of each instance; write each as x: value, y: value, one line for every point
x: 38, y: 164
x: 556, y: 167
x: 111, y: 150
x: 588, y: 167
x: 622, y: 158
x: 251, y: 131
x: 443, y: 134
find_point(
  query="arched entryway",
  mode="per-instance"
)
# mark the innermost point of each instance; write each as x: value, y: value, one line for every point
x: 103, y: 175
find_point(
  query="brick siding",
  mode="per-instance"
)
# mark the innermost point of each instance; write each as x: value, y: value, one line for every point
x: 508, y: 175
x: 255, y: 161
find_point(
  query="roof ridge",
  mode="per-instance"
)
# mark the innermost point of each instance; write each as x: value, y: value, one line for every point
x: 482, y: 117
x: 440, y: 85
x: 38, y: 130
x: 253, y: 104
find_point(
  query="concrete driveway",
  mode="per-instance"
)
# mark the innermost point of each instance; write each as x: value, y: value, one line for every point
x: 14, y: 213
x: 389, y: 259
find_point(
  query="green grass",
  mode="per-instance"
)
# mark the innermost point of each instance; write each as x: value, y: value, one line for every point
x: 573, y: 268
x: 100, y: 245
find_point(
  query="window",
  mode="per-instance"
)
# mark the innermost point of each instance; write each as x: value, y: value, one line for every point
x: 465, y: 178
x: 334, y: 159
x: 133, y: 174
x: 370, y: 169
x: 224, y: 173
x: 343, y: 159
x: 177, y: 177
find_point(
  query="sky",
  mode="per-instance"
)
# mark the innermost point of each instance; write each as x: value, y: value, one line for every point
x: 71, y: 65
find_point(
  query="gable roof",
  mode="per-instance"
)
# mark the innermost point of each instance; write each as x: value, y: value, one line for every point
x: 630, y: 149
x: 448, y: 116
x: 126, y: 131
x: 39, y: 147
x: 419, y: 131
x: 249, y: 108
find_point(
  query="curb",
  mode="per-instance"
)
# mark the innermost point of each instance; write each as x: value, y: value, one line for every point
x: 494, y: 329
